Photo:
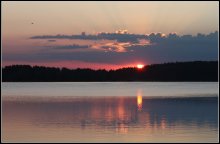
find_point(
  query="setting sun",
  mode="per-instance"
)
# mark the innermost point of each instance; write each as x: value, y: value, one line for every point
x: 140, y: 66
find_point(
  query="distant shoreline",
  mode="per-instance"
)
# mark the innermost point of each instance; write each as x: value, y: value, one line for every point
x: 196, y: 71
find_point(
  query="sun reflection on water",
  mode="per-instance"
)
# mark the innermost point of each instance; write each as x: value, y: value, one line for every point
x: 139, y: 100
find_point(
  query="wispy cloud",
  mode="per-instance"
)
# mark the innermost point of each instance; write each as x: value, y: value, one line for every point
x: 51, y: 40
x: 119, y: 36
x: 74, y: 46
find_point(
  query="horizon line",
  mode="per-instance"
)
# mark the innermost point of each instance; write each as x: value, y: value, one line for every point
x: 2, y: 67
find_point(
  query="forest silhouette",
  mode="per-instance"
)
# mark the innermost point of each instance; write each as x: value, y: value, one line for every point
x: 206, y: 71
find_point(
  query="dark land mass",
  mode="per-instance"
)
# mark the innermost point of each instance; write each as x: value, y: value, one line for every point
x: 198, y: 71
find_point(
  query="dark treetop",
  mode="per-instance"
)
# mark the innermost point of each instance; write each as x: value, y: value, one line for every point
x: 178, y: 71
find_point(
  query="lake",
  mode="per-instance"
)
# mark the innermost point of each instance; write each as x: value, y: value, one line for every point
x: 110, y: 112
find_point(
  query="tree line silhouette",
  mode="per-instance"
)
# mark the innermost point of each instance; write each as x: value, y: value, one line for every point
x: 177, y: 71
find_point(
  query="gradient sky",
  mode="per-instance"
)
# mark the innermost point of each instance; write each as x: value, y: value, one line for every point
x: 73, y: 18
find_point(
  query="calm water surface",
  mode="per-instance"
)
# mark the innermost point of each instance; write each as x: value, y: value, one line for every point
x: 110, y: 112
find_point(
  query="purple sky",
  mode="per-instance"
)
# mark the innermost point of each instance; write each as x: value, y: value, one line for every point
x: 108, y: 34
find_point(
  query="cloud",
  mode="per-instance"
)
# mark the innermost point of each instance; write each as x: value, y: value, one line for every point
x: 74, y: 46
x: 153, y: 48
x: 132, y: 38
x: 120, y: 37
x: 52, y: 40
x: 112, y: 46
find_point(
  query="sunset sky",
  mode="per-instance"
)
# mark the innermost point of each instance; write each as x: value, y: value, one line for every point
x: 108, y: 34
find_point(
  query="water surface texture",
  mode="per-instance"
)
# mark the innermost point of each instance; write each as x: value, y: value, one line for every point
x: 110, y: 88
x: 110, y: 112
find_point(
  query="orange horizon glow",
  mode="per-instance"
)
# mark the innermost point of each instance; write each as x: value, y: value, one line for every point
x: 73, y: 64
